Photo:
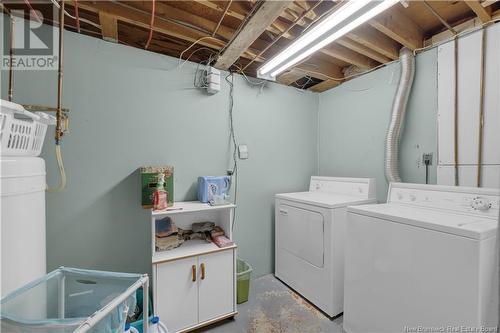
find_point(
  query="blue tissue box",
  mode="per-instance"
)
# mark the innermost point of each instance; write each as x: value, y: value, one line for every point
x: 208, y: 186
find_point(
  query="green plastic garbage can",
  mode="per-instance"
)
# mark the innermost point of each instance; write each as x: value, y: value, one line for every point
x: 243, y: 272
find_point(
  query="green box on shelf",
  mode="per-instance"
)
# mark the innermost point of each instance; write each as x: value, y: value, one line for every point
x: 149, y: 179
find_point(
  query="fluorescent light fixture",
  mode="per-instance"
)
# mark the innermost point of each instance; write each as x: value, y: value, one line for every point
x: 297, y: 51
x: 330, y: 22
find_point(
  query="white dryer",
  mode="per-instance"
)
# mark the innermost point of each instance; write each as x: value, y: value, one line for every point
x: 309, y: 244
x: 422, y: 262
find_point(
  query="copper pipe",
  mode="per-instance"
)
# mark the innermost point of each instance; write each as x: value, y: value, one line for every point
x: 11, y: 57
x: 58, y: 133
x: 481, y: 110
x: 294, y: 23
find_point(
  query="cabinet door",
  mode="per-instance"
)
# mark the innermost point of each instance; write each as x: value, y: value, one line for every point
x: 216, y: 284
x: 177, y: 293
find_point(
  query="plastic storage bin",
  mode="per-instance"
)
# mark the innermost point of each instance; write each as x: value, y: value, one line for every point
x: 72, y: 300
x: 243, y: 272
x: 21, y: 132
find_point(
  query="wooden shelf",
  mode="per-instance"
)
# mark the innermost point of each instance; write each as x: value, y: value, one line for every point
x: 188, y: 249
x: 189, y: 207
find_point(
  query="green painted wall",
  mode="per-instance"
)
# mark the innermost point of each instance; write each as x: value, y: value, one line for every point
x: 130, y: 108
x: 353, y: 120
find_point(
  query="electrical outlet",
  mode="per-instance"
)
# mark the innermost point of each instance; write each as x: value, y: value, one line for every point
x: 427, y: 158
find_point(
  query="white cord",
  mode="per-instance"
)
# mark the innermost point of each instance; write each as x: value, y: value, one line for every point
x: 74, y: 18
x: 62, y: 172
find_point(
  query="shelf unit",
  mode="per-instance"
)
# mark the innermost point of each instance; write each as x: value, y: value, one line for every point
x: 194, y: 284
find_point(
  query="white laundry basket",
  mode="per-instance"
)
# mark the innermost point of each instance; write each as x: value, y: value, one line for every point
x: 22, y: 132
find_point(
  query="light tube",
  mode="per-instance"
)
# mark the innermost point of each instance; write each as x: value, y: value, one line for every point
x: 334, y: 19
x: 384, y: 5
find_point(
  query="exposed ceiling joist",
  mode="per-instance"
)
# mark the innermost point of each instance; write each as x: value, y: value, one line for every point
x: 320, y: 69
x: 289, y: 77
x: 325, y: 85
x: 484, y: 14
x: 251, y: 31
x: 487, y: 3
x: 364, y: 50
x: 344, y: 53
x: 143, y: 20
x: 109, y: 27
x: 349, y: 56
x: 396, y: 25
x: 376, y: 41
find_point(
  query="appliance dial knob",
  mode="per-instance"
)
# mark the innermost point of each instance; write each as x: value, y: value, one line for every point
x: 413, y: 197
x: 480, y: 203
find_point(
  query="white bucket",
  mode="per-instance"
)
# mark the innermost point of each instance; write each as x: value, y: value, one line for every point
x: 22, y: 221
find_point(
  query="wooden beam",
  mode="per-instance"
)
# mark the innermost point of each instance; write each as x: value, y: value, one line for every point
x: 346, y: 54
x: 253, y: 28
x: 487, y: 3
x: 355, y: 46
x: 290, y: 76
x: 376, y: 41
x: 396, y: 25
x: 349, y: 56
x: 320, y: 69
x: 109, y: 27
x: 325, y: 85
x: 483, y: 13
x: 143, y: 20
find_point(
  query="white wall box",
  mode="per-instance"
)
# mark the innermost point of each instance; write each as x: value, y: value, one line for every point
x: 195, y: 284
x: 469, y: 60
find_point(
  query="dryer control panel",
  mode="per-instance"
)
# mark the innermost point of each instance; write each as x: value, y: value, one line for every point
x: 359, y: 187
x: 469, y: 200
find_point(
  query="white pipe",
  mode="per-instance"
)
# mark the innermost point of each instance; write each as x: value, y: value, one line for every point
x: 407, y: 61
x: 145, y: 306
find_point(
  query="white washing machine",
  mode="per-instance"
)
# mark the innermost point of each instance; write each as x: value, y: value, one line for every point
x: 424, y: 261
x: 309, y: 244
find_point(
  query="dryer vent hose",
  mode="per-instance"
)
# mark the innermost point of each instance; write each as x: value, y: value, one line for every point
x: 407, y: 61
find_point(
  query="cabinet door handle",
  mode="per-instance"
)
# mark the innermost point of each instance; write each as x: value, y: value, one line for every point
x: 202, y: 271
x: 193, y: 273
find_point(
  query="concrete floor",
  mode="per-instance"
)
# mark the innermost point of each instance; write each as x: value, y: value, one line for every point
x: 274, y: 308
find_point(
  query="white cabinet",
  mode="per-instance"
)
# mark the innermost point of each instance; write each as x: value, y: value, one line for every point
x: 195, y: 290
x: 216, y: 295
x: 176, y: 293
x: 195, y: 284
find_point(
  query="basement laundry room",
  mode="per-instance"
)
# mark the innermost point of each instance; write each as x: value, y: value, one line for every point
x: 250, y: 166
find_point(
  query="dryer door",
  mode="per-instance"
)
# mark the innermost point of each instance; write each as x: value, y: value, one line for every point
x: 301, y: 233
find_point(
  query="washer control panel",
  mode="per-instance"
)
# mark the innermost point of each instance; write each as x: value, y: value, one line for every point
x: 476, y: 201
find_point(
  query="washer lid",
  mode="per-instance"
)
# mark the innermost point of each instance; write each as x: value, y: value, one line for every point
x: 324, y: 199
x: 475, y: 227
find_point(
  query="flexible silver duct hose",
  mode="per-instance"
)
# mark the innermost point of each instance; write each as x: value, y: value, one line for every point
x: 407, y: 61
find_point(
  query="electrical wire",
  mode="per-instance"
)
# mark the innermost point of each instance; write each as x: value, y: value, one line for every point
x: 33, y: 11
x: 234, y: 174
x: 191, y: 46
x: 74, y: 18
x: 222, y: 18
x: 151, y: 24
